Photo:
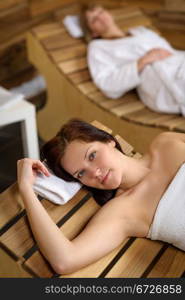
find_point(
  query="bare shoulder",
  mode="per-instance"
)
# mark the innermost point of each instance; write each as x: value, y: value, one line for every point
x: 168, y: 139
x: 168, y: 152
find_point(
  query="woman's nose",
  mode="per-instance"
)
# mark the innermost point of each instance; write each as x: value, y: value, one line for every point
x: 95, y: 172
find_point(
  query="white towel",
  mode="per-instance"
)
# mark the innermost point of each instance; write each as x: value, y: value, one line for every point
x: 169, y: 220
x: 55, y: 189
x: 72, y: 24
x: 30, y: 88
x: 7, y: 98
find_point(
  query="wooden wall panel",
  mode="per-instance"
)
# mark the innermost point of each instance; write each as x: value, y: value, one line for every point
x: 175, y: 5
x: 7, y: 4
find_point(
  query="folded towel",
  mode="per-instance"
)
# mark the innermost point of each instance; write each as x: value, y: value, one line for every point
x: 72, y: 24
x: 55, y: 189
x: 169, y: 220
x: 31, y: 88
x: 7, y: 98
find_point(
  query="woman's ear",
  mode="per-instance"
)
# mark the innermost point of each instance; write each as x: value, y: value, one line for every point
x: 112, y: 143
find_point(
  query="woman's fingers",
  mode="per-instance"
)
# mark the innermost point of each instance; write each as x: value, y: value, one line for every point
x: 38, y: 164
x: 35, y: 164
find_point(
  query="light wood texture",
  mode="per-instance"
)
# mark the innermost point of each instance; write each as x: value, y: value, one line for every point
x: 43, y: 6
x: 8, y: 208
x: 139, y: 255
x: 172, y: 269
x: 19, y: 239
x: 178, y: 5
x: 10, y: 268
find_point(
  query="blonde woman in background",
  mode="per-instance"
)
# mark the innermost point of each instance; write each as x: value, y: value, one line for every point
x: 120, y: 61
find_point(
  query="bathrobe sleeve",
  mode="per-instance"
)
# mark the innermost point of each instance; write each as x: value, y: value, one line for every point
x: 112, y: 76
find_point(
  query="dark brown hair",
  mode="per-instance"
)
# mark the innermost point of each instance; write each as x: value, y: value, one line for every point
x: 76, y: 129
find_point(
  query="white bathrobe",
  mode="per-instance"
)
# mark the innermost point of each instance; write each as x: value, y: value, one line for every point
x: 113, y: 67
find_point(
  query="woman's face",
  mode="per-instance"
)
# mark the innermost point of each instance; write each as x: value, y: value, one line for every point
x: 99, y: 20
x: 94, y: 164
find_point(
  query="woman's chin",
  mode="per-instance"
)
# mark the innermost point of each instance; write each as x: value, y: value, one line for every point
x: 112, y: 182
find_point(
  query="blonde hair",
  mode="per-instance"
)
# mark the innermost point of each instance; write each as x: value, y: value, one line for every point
x: 83, y: 21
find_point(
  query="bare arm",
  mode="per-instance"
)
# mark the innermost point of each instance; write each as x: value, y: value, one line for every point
x: 170, y: 147
x: 103, y: 233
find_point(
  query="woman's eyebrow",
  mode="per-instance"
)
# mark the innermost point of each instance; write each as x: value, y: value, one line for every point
x: 84, y: 159
x: 87, y: 151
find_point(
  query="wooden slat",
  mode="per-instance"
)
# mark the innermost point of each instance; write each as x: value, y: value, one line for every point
x: 171, y: 25
x: 161, y: 118
x: 97, y: 97
x: 103, y: 101
x: 139, y: 21
x: 64, y: 54
x: 94, y: 270
x: 38, y: 265
x: 101, y: 126
x: 71, y: 9
x: 178, y: 5
x: 177, y: 40
x: 127, y: 148
x: 180, y: 127
x: 171, y: 264
x: 79, y: 77
x: 172, y: 123
x: 10, y: 204
x: 18, y: 25
x: 136, y: 259
x: 76, y: 223
x: 112, y: 103
x: 45, y: 6
x: 87, y: 87
x: 46, y: 30
x: 123, y: 109
x: 71, y: 228
x: 137, y: 155
x: 58, y: 41
x: 73, y: 65
x: 125, y: 13
x: 6, y: 4
x: 146, y: 116
x: 19, y: 239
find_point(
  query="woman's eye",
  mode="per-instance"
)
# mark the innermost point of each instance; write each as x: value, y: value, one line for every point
x: 80, y: 174
x: 93, y: 20
x: 92, y: 156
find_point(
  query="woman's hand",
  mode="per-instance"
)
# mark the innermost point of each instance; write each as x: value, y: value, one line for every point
x: 152, y: 56
x: 27, y: 170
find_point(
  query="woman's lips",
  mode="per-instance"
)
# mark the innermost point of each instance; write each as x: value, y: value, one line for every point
x: 106, y: 177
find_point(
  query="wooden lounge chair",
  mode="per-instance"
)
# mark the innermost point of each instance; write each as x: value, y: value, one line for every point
x: 61, y: 59
x: 135, y: 257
